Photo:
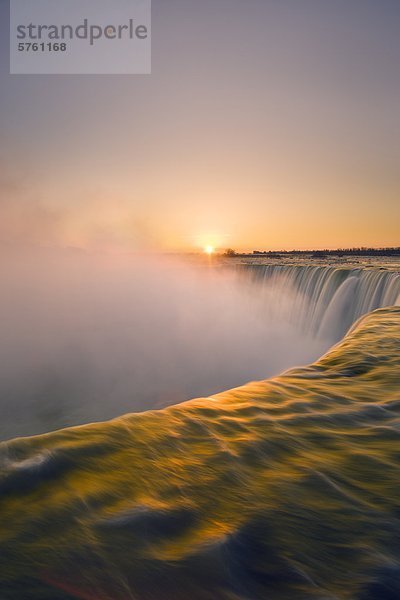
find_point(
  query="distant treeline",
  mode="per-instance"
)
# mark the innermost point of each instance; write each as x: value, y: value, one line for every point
x: 338, y: 252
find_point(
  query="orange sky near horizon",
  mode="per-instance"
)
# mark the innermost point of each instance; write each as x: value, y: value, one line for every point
x: 265, y: 126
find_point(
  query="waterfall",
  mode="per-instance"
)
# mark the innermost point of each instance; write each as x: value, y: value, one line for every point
x: 89, y: 340
x: 326, y: 301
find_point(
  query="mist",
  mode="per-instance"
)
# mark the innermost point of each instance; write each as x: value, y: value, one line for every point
x: 87, y: 337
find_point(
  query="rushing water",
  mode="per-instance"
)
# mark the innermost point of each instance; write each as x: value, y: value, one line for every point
x: 284, y: 489
x: 327, y: 300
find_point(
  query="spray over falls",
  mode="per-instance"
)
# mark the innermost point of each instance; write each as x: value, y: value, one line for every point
x: 89, y: 340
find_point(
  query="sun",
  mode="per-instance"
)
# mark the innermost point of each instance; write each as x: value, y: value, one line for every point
x: 209, y: 250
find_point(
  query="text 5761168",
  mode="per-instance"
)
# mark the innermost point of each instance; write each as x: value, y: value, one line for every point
x: 42, y: 47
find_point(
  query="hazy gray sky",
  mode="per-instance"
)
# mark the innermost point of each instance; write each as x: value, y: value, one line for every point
x: 265, y: 124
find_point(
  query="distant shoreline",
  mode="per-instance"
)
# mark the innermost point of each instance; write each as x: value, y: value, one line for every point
x: 320, y: 253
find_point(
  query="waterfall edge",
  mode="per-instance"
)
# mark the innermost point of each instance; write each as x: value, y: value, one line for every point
x: 267, y: 489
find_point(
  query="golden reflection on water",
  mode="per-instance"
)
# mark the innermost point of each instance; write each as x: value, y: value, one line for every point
x: 285, y: 488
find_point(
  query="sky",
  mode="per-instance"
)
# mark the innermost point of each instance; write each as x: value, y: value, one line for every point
x: 265, y: 124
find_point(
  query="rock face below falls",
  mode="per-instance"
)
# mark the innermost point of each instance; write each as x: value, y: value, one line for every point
x: 281, y: 489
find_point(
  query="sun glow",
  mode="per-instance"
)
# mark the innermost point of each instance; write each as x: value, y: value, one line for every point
x: 209, y: 250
